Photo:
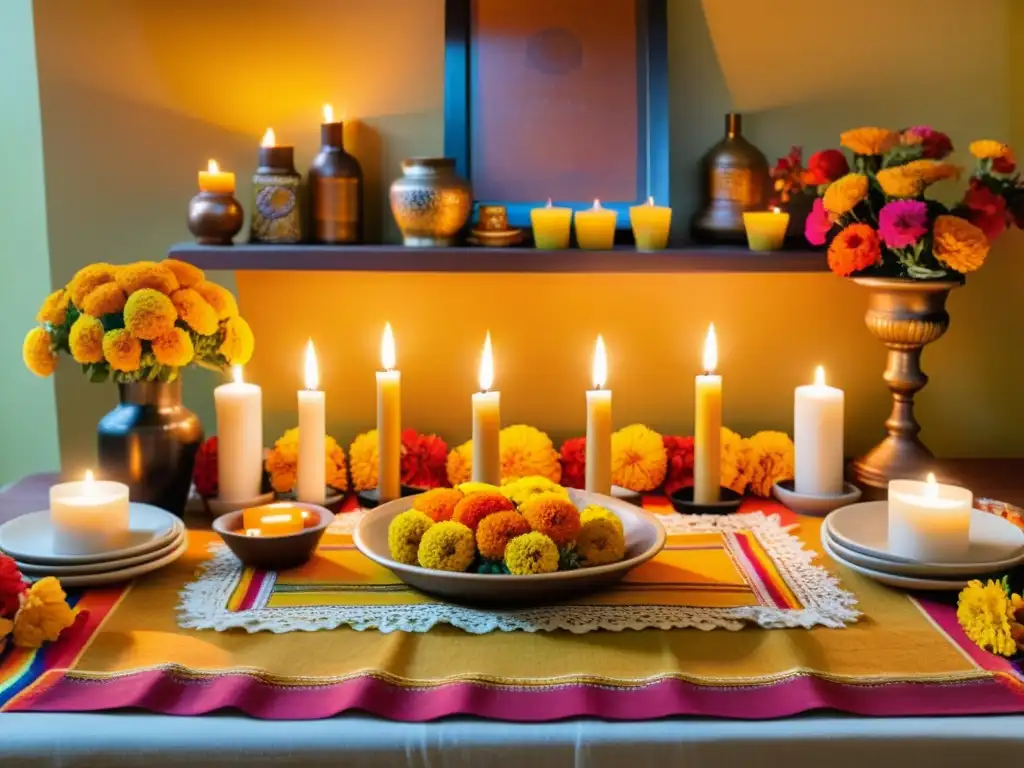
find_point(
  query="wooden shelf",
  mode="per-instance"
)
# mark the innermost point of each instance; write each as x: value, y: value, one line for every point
x: 396, y: 258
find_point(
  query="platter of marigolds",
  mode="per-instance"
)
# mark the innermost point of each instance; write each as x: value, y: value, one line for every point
x: 529, y: 541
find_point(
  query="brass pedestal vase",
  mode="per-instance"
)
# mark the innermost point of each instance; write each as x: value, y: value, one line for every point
x: 905, y: 315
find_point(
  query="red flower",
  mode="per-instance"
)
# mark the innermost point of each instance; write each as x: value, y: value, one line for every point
x: 680, y: 462
x: 826, y: 166
x: 1005, y: 163
x: 424, y: 460
x: 205, y: 473
x: 986, y: 209
x: 11, y: 587
x: 574, y: 462
x: 935, y: 145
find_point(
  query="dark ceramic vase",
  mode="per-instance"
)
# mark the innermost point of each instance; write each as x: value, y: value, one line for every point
x: 149, y: 441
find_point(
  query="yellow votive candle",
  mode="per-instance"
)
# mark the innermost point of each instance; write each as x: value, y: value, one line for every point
x: 707, y: 440
x: 599, y: 427
x: 311, y: 472
x: 650, y: 224
x: 487, y: 423
x: 766, y: 230
x: 389, y: 422
x: 595, y: 228
x: 216, y: 181
x: 281, y: 519
x: 551, y: 226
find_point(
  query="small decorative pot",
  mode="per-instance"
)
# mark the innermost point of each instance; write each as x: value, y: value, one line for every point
x: 149, y: 442
x: 214, y: 219
x: 430, y: 202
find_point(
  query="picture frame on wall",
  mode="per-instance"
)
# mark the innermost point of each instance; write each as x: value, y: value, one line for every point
x: 563, y: 100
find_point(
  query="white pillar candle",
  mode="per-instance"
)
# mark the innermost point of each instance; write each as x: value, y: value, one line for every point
x: 487, y: 423
x: 389, y: 422
x: 311, y: 479
x: 239, y: 439
x: 89, y: 517
x: 599, y: 427
x: 707, y: 432
x: 929, y: 522
x: 818, y: 436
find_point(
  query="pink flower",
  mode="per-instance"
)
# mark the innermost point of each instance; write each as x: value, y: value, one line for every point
x: 818, y: 223
x: 901, y: 223
x: 935, y: 145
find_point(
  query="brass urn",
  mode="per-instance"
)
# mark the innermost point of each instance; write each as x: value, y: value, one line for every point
x: 431, y: 202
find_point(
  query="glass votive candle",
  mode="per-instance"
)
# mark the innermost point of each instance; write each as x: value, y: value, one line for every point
x: 766, y: 230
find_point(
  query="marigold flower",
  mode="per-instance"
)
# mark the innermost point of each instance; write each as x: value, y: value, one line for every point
x: 54, y: 309
x: 87, y: 278
x: 405, y: 531
x: 595, y: 512
x: 553, y: 515
x: 11, y: 586
x: 335, y: 466
x: 600, y: 542
x: 896, y: 182
x: 362, y: 455
x: 37, y: 352
x: 854, y: 249
x: 474, y: 486
x: 930, y: 171
x: 958, y: 244
x: 174, y: 348
x: 985, y: 611
x: 438, y: 503
x: 497, y: 530
x: 85, y: 339
x: 283, y: 460
x: 44, y: 614
x: 843, y: 195
x: 423, y: 462
x: 638, y: 458
x: 459, y: 466
x: 773, y: 461
x: 530, y: 554
x: 988, y: 149
x: 195, y: 311
x: 474, y: 507
x: 106, y: 299
x: 525, y: 488
x: 186, y: 274
x: 737, y: 461
x: 218, y: 297
x: 122, y: 350
x: 869, y: 141
x: 679, y: 472
x: 238, y: 344
x: 573, y: 457
x: 147, y: 274
x: 525, y: 452
x: 148, y: 314
x: 447, y: 546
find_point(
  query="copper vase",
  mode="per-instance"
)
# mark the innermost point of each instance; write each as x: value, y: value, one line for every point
x: 905, y: 315
x: 430, y: 202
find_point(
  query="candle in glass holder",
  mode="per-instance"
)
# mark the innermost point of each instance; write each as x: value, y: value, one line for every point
x: 707, y: 440
x: 551, y: 225
x: 311, y: 474
x: 389, y: 422
x: 818, y: 438
x: 930, y: 521
x: 650, y: 224
x: 487, y: 423
x: 766, y: 230
x: 239, y: 439
x: 595, y: 228
x: 89, y: 517
x: 599, y: 427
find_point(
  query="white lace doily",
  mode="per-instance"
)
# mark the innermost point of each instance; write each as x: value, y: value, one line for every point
x: 204, y: 602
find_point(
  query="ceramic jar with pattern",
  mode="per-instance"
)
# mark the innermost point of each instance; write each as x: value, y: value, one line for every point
x: 430, y: 202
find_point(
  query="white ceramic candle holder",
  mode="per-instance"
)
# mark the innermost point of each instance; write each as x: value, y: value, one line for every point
x: 813, y: 504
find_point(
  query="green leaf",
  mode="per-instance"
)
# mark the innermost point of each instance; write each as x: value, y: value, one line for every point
x: 112, y: 321
x: 924, y: 273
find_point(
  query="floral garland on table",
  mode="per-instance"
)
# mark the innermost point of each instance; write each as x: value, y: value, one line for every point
x: 31, y: 615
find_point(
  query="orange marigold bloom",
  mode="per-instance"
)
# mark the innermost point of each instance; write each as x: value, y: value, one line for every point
x: 459, y: 466
x: 195, y: 311
x: 497, y: 530
x: 104, y: 299
x: 959, y: 244
x: 187, y: 274
x: 553, y: 515
x: 474, y: 507
x: 931, y: 171
x: 149, y: 313
x: 854, y: 249
x: 869, y: 141
x: 438, y: 503
x: 896, y: 182
x: 218, y: 297
x: 37, y: 352
x: 147, y: 274
x: 87, y: 278
x: 122, y: 350
x: 988, y: 149
x: 843, y: 195
x: 54, y: 309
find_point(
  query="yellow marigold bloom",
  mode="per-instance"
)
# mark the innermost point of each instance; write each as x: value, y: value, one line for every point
x: 438, y: 503
x: 148, y: 314
x: 843, y: 194
x: 988, y: 149
x: 87, y: 278
x: 600, y: 542
x: 553, y: 515
x: 959, y: 244
x: 186, y: 274
x: 460, y: 465
x: 495, y: 532
x: 122, y: 350
x: 772, y: 461
x: 594, y: 512
x: 896, y: 182
x: 447, y: 546
x: 985, y: 612
x: 362, y: 456
x: 86, y: 340
x: 336, y: 468
x: 404, y: 534
x: 931, y: 171
x: 37, y: 352
x: 639, y: 460
x: 218, y: 297
x: 475, y: 487
x: 869, y: 141
x: 55, y: 308
x: 174, y: 348
x: 526, y: 452
x: 43, y: 615
x: 147, y: 274
x: 525, y: 488
x: 737, y: 461
x: 530, y: 554
x: 283, y: 460
x: 238, y: 343
x: 104, y: 299
x: 195, y: 311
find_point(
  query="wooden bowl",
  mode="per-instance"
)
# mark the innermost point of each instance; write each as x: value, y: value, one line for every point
x: 274, y: 553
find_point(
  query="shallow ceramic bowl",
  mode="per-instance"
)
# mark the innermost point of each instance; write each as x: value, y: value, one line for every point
x: 274, y: 553
x: 644, y: 539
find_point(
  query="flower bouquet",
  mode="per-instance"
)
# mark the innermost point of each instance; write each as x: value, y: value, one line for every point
x: 31, y: 615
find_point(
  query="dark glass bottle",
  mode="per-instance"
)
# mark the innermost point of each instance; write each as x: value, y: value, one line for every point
x: 335, y: 190
x: 734, y: 179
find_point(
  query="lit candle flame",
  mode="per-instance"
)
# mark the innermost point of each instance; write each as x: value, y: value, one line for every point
x: 269, y: 139
x: 88, y: 477
x: 236, y: 374
x: 650, y: 201
x: 487, y: 366
x: 931, y: 488
x: 600, y: 370
x: 387, y: 348
x: 776, y: 209
x: 212, y: 167
x: 710, y: 351
x: 819, y: 376
x: 597, y: 204
x: 328, y: 113
x: 312, y: 369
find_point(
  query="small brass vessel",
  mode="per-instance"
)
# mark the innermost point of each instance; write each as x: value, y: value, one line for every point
x: 214, y: 218
x: 431, y: 202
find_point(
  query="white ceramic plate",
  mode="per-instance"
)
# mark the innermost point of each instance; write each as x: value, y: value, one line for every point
x: 644, y: 539
x: 61, y: 571
x: 123, y: 574
x: 864, y: 528
x: 900, y: 582
x: 29, y: 538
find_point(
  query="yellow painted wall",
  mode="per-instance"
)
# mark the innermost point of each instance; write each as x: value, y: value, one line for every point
x: 137, y: 94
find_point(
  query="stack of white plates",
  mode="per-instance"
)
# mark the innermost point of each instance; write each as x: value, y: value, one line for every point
x: 858, y: 537
x: 157, y: 538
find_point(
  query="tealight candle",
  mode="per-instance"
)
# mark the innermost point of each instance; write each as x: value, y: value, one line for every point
x: 239, y: 439
x: 599, y: 427
x: 89, y: 517
x: 281, y: 519
x: 818, y: 437
x: 389, y: 421
x: 707, y: 432
x: 929, y: 522
x: 650, y: 224
x: 595, y: 228
x: 486, y: 423
x: 215, y: 181
x: 766, y: 230
x: 551, y: 226
x: 311, y: 472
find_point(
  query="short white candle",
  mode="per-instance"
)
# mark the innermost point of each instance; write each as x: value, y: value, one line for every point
x: 239, y: 439
x: 389, y: 421
x: 929, y: 522
x: 818, y: 437
x: 599, y: 427
x: 487, y: 423
x: 89, y: 517
x: 707, y: 431
x: 311, y: 479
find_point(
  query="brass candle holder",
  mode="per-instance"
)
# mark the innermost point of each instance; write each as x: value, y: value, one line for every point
x: 214, y: 218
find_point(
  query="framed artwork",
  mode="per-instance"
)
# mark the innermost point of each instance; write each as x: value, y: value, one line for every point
x: 565, y: 100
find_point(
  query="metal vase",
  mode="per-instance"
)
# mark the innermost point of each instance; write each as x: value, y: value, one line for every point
x: 149, y: 441
x: 905, y: 315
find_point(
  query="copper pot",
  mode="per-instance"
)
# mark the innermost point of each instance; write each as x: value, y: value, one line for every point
x: 430, y: 202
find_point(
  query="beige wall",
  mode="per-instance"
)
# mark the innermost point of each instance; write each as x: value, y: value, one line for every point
x: 136, y: 94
